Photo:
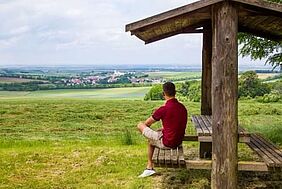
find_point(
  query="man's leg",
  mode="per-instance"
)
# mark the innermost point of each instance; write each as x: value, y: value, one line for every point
x: 151, y: 148
x: 150, y: 165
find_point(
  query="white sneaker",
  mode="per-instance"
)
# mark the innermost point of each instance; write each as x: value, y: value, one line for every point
x: 147, y: 173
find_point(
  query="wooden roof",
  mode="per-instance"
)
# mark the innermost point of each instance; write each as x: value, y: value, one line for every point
x: 257, y: 17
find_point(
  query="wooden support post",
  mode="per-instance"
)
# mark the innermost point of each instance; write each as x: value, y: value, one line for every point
x: 206, y: 99
x: 206, y: 105
x: 224, y: 96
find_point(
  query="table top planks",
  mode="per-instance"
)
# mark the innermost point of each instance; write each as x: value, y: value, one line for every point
x: 203, y: 126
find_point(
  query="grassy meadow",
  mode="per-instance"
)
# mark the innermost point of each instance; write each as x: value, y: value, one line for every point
x: 63, y: 140
x: 111, y: 93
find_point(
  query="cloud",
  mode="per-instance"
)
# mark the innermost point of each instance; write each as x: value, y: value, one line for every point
x: 49, y: 32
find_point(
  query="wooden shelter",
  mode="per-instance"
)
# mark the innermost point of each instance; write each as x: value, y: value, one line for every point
x: 219, y: 21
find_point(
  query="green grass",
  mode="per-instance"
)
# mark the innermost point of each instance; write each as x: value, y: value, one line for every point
x: 93, y: 143
x: 112, y: 93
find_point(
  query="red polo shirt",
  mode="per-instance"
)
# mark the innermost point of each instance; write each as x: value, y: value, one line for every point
x: 174, y: 119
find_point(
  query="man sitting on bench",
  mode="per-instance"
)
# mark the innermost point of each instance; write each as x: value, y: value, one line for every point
x: 174, y: 119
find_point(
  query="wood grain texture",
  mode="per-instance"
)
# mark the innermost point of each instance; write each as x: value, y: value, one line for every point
x: 242, y: 165
x: 170, y: 14
x: 257, y: 17
x: 171, y: 158
x: 206, y: 107
x: 270, y: 154
x: 224, y: 96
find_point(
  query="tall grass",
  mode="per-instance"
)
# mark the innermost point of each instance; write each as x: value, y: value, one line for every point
x: 78, y: 143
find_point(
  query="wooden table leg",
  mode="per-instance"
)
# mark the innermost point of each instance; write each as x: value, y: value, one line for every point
x: 205, y: 150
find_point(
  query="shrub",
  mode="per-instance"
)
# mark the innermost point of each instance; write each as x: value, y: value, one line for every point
x: 155, y: 93
x: 251, y: 85
x: 272, y: 97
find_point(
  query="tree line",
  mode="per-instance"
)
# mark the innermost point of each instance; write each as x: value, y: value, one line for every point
x: 249, y: 87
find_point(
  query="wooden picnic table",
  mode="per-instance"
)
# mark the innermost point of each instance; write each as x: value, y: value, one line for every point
x: 269, y: 153
x: 203, y: 126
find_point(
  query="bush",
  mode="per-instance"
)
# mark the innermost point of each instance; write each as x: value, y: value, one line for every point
x: 272, y: 97
x: 251, y: 85
x: 155, y: 93
x: 194, y: 93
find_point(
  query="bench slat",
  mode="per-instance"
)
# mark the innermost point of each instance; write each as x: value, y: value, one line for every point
x: 264, y: 146
x: 276, y: 151
x: 256, y: 147
x: 161, y: 157
x: 260, y: 147
x: 169, y: 158
x: 174, y: 158
x: 181, y: 160
x: 155, y: 155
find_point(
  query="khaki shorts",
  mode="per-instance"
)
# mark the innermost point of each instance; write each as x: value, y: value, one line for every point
x: 154, y: 137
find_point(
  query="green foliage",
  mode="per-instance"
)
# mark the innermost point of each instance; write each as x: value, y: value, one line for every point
x: 190, y: 90
x: 272, y: 97
x: 259, y: 48
x: 277, y: 87
x: 155, y: 93
x: 250, y: 85
x: 194, y: 93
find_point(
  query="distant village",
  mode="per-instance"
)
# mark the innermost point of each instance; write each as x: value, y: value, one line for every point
x: 116, y: 77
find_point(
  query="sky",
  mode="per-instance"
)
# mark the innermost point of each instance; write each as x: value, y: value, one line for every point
x: 90, y: 32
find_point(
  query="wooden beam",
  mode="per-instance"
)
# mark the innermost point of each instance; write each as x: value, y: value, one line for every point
x: 190, y: 29
x: 242, y: 165
x: 170, y: 14
x: 242, y: 139
x: 206, y: 104
x: 259, y: 33
x: 270, y: 6
x: 190, y: 138
x: 224, y: 96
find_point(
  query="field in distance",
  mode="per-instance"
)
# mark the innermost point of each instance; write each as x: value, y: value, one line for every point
x: 15, y: 80
x: 112, y: 93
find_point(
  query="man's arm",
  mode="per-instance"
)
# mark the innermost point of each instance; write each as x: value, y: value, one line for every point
x: 150, y: 121
x: 142, y: 125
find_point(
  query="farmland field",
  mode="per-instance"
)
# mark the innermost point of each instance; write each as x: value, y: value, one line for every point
x: 266, y: 75
x: 174, y: 75
x: 85, y: 142
x: 15, y: 80
x: 112, y: 93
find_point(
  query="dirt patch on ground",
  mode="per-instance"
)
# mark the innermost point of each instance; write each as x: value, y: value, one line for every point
x: 200, y: 179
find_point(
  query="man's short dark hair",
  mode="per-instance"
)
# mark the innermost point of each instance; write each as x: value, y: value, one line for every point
x: 169, y: 89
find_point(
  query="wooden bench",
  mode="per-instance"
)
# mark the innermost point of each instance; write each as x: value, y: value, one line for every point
x: 270, y: 154
x: 173, y: 158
